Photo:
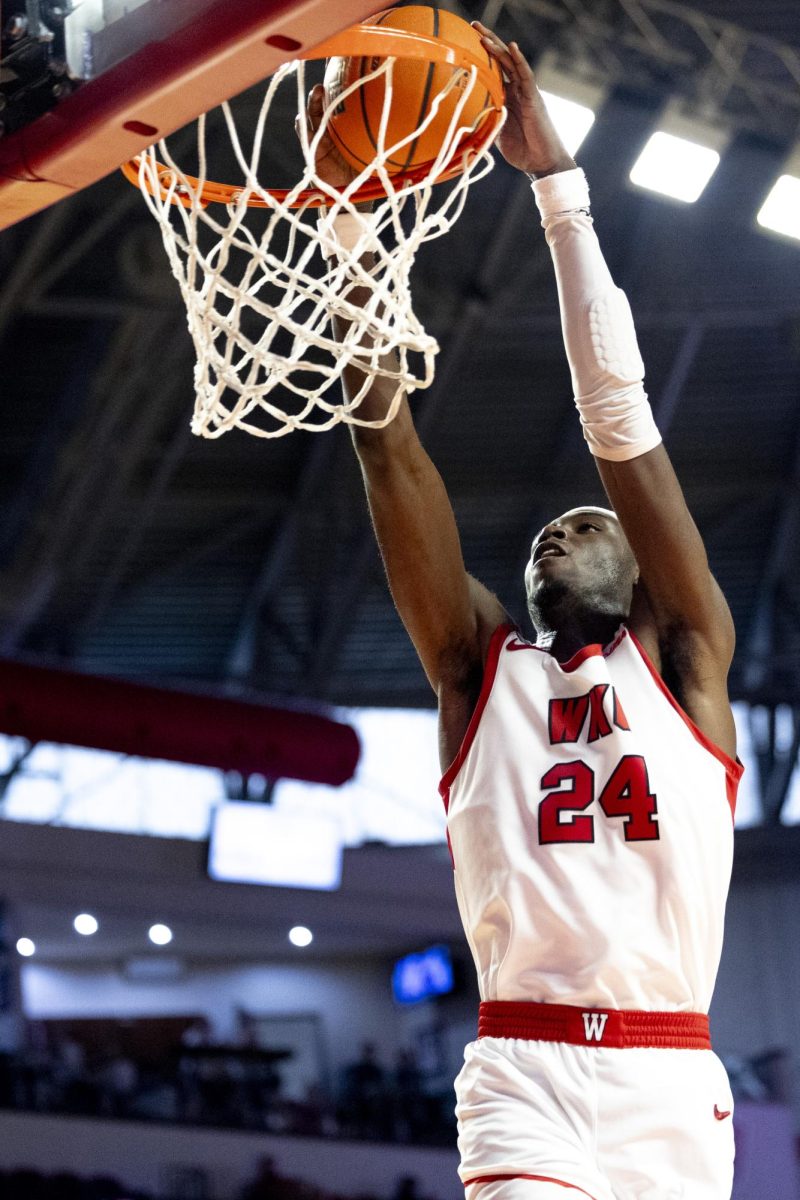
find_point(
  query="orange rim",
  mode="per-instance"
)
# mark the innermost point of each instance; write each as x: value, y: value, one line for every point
x: 362, y: 40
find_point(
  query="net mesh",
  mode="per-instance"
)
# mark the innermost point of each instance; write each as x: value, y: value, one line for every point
x: 263, y: 274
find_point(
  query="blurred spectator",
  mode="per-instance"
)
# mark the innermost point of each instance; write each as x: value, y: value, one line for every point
x: 78, y: 1090
x: 269, y: 1185
x: 745, y: 1083
x: 192, y: 1070
x: 31, y: 1185
x: 407, y: 1189
x: 237, y: 1087
x: 197, y: 1034
x: 410, y: 1102
x: 366, y: 1108
x: 118, y: 1080
x: 773, y: 1068
x: 67, y: 1187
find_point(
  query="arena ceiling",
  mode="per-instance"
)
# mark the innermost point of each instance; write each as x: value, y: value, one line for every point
x: 129, y: 548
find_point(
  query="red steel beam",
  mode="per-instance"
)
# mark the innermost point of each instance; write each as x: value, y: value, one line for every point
x: 42, y: 704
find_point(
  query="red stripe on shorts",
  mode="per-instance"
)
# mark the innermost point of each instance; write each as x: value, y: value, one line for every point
x: 617, y: 1028
x: 535, y: 1178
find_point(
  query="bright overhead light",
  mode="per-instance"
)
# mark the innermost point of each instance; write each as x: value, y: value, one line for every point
x: 680, y: 157
x: 780, y: 211
x: 26, y: 947
x: 300, y: 936
x: 571, y: 99
x: 674, y: 167
x: 160, y: 935
x: 85, y: 924
x: 571, y: 119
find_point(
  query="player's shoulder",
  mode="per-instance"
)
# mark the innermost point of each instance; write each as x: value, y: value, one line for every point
x: 490, y: 616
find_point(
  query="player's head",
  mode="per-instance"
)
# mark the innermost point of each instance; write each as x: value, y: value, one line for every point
x: 580, y: 561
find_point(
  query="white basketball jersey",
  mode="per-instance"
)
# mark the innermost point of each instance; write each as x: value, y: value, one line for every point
x: 591, y: 827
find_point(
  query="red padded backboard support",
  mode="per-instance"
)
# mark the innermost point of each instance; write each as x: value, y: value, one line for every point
x: 41, y: 704
x: 156, y: 91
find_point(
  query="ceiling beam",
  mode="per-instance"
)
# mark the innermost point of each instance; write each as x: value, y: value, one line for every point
x: 141, y: 517
x: 63, y: 414
x: 776, y: 791
x: 20, y: 280
x: 138, y: 428
x: 720, y: 68
x: 238, y: 527
x: 76, y: 250
x: 759, y: 643
x: 277, y: 558
x: 713, y: 316
x: 88, y: 478
x: 666, y: 404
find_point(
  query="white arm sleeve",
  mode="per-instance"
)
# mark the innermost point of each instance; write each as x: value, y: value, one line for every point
x: 599, y: 336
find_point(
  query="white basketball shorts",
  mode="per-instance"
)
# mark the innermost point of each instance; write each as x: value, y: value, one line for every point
x: 598, y: 1122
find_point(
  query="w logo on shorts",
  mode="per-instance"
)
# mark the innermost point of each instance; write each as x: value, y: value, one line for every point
x: 594, y: 1024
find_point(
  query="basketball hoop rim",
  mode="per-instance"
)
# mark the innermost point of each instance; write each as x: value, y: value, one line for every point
x: 364, y: 40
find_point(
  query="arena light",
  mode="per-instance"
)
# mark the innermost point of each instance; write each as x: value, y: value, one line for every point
x: 160, y: 935
x: 680, y: 157
x: 299, y: 935
x: 26, y: 947
x: 780, y: 212
x: 572, y: 120
x: 85, y: 924
x: 571, y: 102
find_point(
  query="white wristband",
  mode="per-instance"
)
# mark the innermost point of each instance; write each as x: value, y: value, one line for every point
x: 563, y: 192
x: 342, y: 231
x: 599, y: 334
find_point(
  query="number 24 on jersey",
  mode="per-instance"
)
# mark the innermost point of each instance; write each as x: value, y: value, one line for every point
x: 626, y: 796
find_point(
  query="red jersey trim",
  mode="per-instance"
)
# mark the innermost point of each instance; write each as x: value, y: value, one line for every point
x: 594, y: 650
x: 489, y: 672
x: 536, y: 1178
x: 580, y: 656
x: 733, y: 768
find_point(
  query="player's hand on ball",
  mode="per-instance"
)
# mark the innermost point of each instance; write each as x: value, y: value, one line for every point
x: 331, y: 167
x: 528, y: 140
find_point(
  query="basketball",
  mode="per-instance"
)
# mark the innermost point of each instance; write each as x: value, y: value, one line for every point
x: 355, y: 123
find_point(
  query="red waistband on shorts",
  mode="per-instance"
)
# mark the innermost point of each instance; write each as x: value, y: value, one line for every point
x: 617, y: 1028
x: 536, y: 1178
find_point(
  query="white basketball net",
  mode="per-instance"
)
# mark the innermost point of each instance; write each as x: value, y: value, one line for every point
x: 284, y: 282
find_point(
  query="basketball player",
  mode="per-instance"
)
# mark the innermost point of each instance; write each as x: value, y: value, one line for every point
x: 589, y: 776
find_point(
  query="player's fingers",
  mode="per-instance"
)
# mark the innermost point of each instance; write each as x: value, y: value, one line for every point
x: 513, y: 64
x: 522, y: 72
x: 502, y: 57
x: 305, y: 121
x: 486, y: 32
x: 314, y: 108
x: 491, y: 41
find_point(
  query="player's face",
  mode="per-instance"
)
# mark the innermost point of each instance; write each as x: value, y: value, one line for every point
x: 583, y: 552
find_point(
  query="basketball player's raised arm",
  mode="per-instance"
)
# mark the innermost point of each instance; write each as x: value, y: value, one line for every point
x: 687, y: 605
x: 449, y: 616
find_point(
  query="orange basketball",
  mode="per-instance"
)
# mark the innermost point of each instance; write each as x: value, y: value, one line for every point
x: 355, y: 123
